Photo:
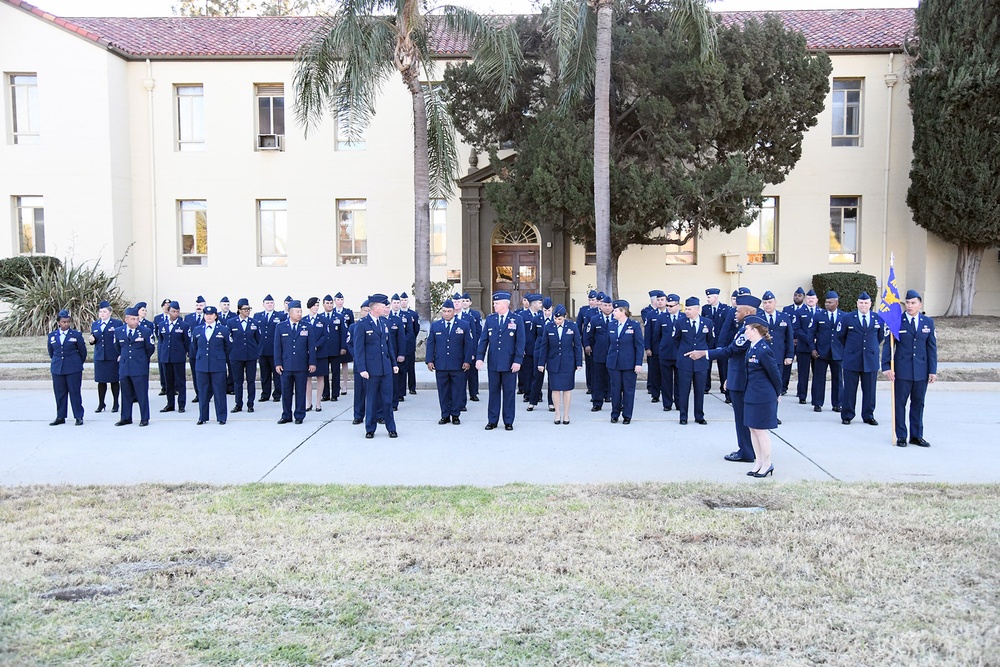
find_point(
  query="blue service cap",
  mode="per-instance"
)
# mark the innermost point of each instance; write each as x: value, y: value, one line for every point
x: 832, y: 295
x: 242, y: 302
x: 268, y: 298
x: 534, y: 297
x: 748, y: 300
x: 402, y: 295
x: 378, y: 298
x: 799, y: 290
x: 913, y: 294
x: 224, y: 299
x: 338, y: 295
x: 448, y: 303
x: 559, y: 311
x: 395, y: 297
x: 327, y: 298
x: 592, y: 294
x: 811, y: 293
x: 864, y: 296
x: 606, y: 299
x: 294, y: 303
x: 743, y: 290
x: 104, y: 304
x: 547, y: 302
x: 712, y: 290
x: 673, y: 298
x: 210, y: 310
x: 62, y: 313
x: 620, y: 303
x: 692, y: 301
x: 366, y: 304
x: 174, y: 304
x: 755, y: 319
x: 199, y: 299
x: 500, y: 296
x: 133, y: 311
x: 141, y: 304
x: 768, y: 295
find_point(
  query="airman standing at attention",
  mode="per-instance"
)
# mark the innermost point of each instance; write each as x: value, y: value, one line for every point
x: 102, y: 337
x: 827, y: 353
x: 243, y: 354
x: 667, y: 347
x: 67, y: 353
x: 790, y: 310
x: 860, y: 334
x: 267, y: 323
x: 294, y: 358
x: 410, y: 363
x: 375, y: 356
x: 596, y: 340
x: 347, y: 320
x: 626, y: 351
x: 503, y: 337
x: 692, y: 332
x: 449, y: 355
x: 914, y: 366
x: 172, y: 355
x: 134, y: 348
x: 210, y: 346
x: 583, y: 317
x: 193, y: 320
x: 158, y: 321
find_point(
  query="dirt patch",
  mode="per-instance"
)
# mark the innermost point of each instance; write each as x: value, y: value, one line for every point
x: 77, y: 593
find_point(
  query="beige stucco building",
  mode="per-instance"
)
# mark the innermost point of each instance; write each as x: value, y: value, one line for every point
x: 169, y: 143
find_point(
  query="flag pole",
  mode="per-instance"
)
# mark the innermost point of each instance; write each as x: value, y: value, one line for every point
x: 892, y: 384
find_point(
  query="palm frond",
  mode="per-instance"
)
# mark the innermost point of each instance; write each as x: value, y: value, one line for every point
x: 696, y: 23
x: 496, y: 47
x: 442, y: 152
x: 572, y: 32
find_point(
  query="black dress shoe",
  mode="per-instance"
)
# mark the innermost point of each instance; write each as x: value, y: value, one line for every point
x: 736, y: 457
x: 802, y: 401
x: 262, y: 399
x: 200, y: 422
x: 355, y: 422
x: 100, y: 408
x: 490, y: 427
x: 845, y: 422
x: 508, y: 427
x: 784, y: 391
x: 222, y: 423
x: 729, y: 401
x: 284, y: 421
x: 144, y: 422
x: 614, y: 420
x: 596, y: 408
x: 180, y: 409
x: 444, y: 420
x: 298, y: 421
x: 703, y: 422
x: 195, y: 400
x: 683, y: 422
x: 393, y: 434
x: 167, y: 409
x: 779, y: 422
x: 334, y: 399
x: 816, y: 408
x: 552, y: 408
x: 237, y: 408
x: 871, y: 422
x: 465, y: 409
x: 900, y: 442
x: 276, y: 399
x: 626, y: 420
x: 656, y: 399
x: 380, y: 421
x: 836, y: 408
x: 919, y: 442
x: 456, y: 420
x: 369, y: 435
x: 309, y: 409
x: 79, y: 422
x: 474, y: 399
x: 667, y: 408
x: 250, y: 409
x: 114, y: 408
x: 123, y: 422
x: 413, y: 392
x: 57, y: 422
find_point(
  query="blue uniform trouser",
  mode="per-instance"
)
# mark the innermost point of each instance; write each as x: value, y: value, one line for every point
x: 67, y: 390
x: 537, y: 380
x: 135, y: 388
x: 622, y: 392
x: 472, y: 378
x: 819, y: 382
x: 332, y: 388
x: 244, y: 372
x: 685, y: 379
x: 378, y: 402
x: 194, y: 376
x: 723, y: 366
x: 668, y: 381
x: 786, y: 376
x: 653, y: 376
x: 214, y: 385
x: 804, y: 364
x: 293, y: 382
x: 914, y: 391
x: 359, y: 395
x: 601, y: 385
x: 742, y: 432
x: 850, y: 396
x: 159, y: 366
x: 503, y: 389
x: 398, y: 384
x: 268, y: 376
x: 410, y: 366
x: 526, y: 376
x: 176, y: 383
x: 588, y: 370
x: 450, y: 391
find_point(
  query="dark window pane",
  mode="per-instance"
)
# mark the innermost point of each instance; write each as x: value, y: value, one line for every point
x: 264, y: 115
x: 279, y: 114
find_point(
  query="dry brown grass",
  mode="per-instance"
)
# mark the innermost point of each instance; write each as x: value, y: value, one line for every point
x: 24, y: 349
x: 974, y: 338
x: 612, y: 574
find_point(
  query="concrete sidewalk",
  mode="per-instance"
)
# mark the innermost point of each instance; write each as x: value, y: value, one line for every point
x: 961, y: 423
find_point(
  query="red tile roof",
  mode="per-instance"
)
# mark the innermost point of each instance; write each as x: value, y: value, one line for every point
x: 266, y: 37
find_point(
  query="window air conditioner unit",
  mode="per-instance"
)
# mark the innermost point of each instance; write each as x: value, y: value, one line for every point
x: 269, y: 142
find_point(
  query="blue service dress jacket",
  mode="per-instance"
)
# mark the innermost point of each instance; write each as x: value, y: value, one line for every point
x: 915, y: 351
x: 210, y: 354
x: 374, y: 346
x: 449, y: 350
x: 860, y: 344
x: 824, y: 330
x: 295, y: 346
x: 104, y: 345
x: 268, y: 324
x: 763, y: 377
x: 782, y: 336
x: 625, y: 351
x: 173, y: 342
x: 667, y: 345
x: 505, y: 343
x: 699, y: 336
x: 134, y: 351
x: 804, y: 340
x: 560, y: 354
x: 596, y: 337
x: 67, y: 355
x: 336, y: 335
x: 245, y: 339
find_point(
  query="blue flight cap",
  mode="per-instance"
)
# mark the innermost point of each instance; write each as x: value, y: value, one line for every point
x: 534, y: 297
x: 200, y: 299
x: 268, y: 298
x: 338, y: 295
x: 799, y: 290
x: 104, y: 304
x: 210, y: 310
x: 288, y: 299
x: 395, y: 297
x: 600, y: 296
x: 174, y: 304
x: 448, y: 303
x: 811, y: 293
x: 559, y: 311
x: 768, y: 295
x: 620, y: 303
x: 294, y: 303
x: 378, y: 298
x: 755, y: 319
x: 402, y: 295
x: 743, y: 290
x: 63, y: 314
x: 547, y: 302
x: 141, y: 304
x: 864, y: 297
x: 673, y: 298
x: 607, y: 299
x: 327, y: 298
x: 748, y: 300
x: 592, y: 294
x: 913, y: 294
x: 465, y: 295
x: 736, y: 292
x: 712, y: 290
x: 500, y: 296
x: 364, y: 304
x: 242, y: 302
x: 456, y: 295
x: 832, y: 295
x: 132, y: 311
x: 224, y: 299
x: 692, y: 301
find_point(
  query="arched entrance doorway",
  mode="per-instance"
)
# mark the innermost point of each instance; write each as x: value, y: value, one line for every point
x: 516, y: 261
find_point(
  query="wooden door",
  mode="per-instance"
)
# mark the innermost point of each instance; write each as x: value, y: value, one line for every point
x: 515, y: 270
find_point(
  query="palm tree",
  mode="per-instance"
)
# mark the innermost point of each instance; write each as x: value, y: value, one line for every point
x: 582, y: 41
x: 341, y: 70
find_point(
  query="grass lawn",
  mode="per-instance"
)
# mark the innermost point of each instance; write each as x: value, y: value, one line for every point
x: 649, y: 574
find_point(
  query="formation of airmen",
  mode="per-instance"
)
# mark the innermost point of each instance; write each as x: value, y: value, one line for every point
x: 302, y: 357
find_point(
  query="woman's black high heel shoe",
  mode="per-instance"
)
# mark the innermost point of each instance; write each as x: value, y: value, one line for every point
x: 769, y: 471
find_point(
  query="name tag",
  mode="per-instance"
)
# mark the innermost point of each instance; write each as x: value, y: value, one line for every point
x: 284, y: 334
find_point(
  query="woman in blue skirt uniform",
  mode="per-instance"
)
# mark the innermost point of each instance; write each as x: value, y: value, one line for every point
x: 102, y: 337
x: 760, y: 402
x: 561, y: 350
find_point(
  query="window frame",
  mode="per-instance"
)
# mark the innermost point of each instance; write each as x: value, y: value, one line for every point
x: 342, y: 132
x: 753, y: 253
x: 840, y: 135
x: 183, y: 257
x: 31, y: 136
x: 193, y: 144
x: 261, y: 93
x: 440, y: 257
x: 674, y: 255
x: 37, y: 227
x: 344, y: 206
x: 837, y: 254
x: 276, y: 259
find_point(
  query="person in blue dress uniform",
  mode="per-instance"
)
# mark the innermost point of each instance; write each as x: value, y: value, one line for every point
x: 596, y: 340
x: 539, y: 322
x: 503, y: 337
x: 294, y: 359
x: 651, y: 338
x: 717, y: 312
x: 583, y: 317
x: 911, y: 364
x: 102, y: 337
x: 790, y: 310
x: 267, y: 323
x: 860, y: 333
x: 243, y: 354
x: 626, y: 350
x: 805, y: 345
x: 450, y: 352
x: 402, y: 326
x: 158, y: 321
x: 781, y: 328
x: 347, y: 319
x: 691, y: 333
x: 317, y: 378
x: 763, y: 389
x: 375, y: 356
x: 172, y: 352
x: 210, y: 345
x: 561, y: 352
x: 827, y: 353
x: 667, y: 350
x: 134, y: 349
x: 526, y: 376
x: 334, y: 348
x: 409, y: 366
x: 67, y: 354
x: 475, y: 320
x: 359, y: 382
x: 194, y: 319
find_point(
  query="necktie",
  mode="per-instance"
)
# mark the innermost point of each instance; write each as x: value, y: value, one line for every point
x: 693, y: 325
x: 502, y: 318
x: 447, y: 328
x: 770, y: 321
x: 864, y: 321
x: 131, y: 335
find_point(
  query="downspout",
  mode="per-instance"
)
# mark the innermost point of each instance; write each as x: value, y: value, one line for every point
x: 149, y: 83
x: 890, y: 81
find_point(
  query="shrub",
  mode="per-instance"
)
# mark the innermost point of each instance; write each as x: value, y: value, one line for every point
x: 55, y: 286
x: 848, y: 286
x: 440, y: 291
x: 14, y: 271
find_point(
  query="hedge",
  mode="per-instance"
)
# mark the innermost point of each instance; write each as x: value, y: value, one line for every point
x: 15, y: 270
x: 848, y: 286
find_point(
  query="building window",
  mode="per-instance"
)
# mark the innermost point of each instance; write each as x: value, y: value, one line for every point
x: 590, y: 253
x: 272, y: 223
x: 352, y: 232
x: 439, y: 232
x: 193, y: 216
x: 24, y: 108
x: 762, y: 234
x: 270, y: 116
x: 680, y: 254
x: 30, y: 216
x: 847, y: 112
x: 350, y: 136
x: 845, y: 220
x: 190, y: 118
